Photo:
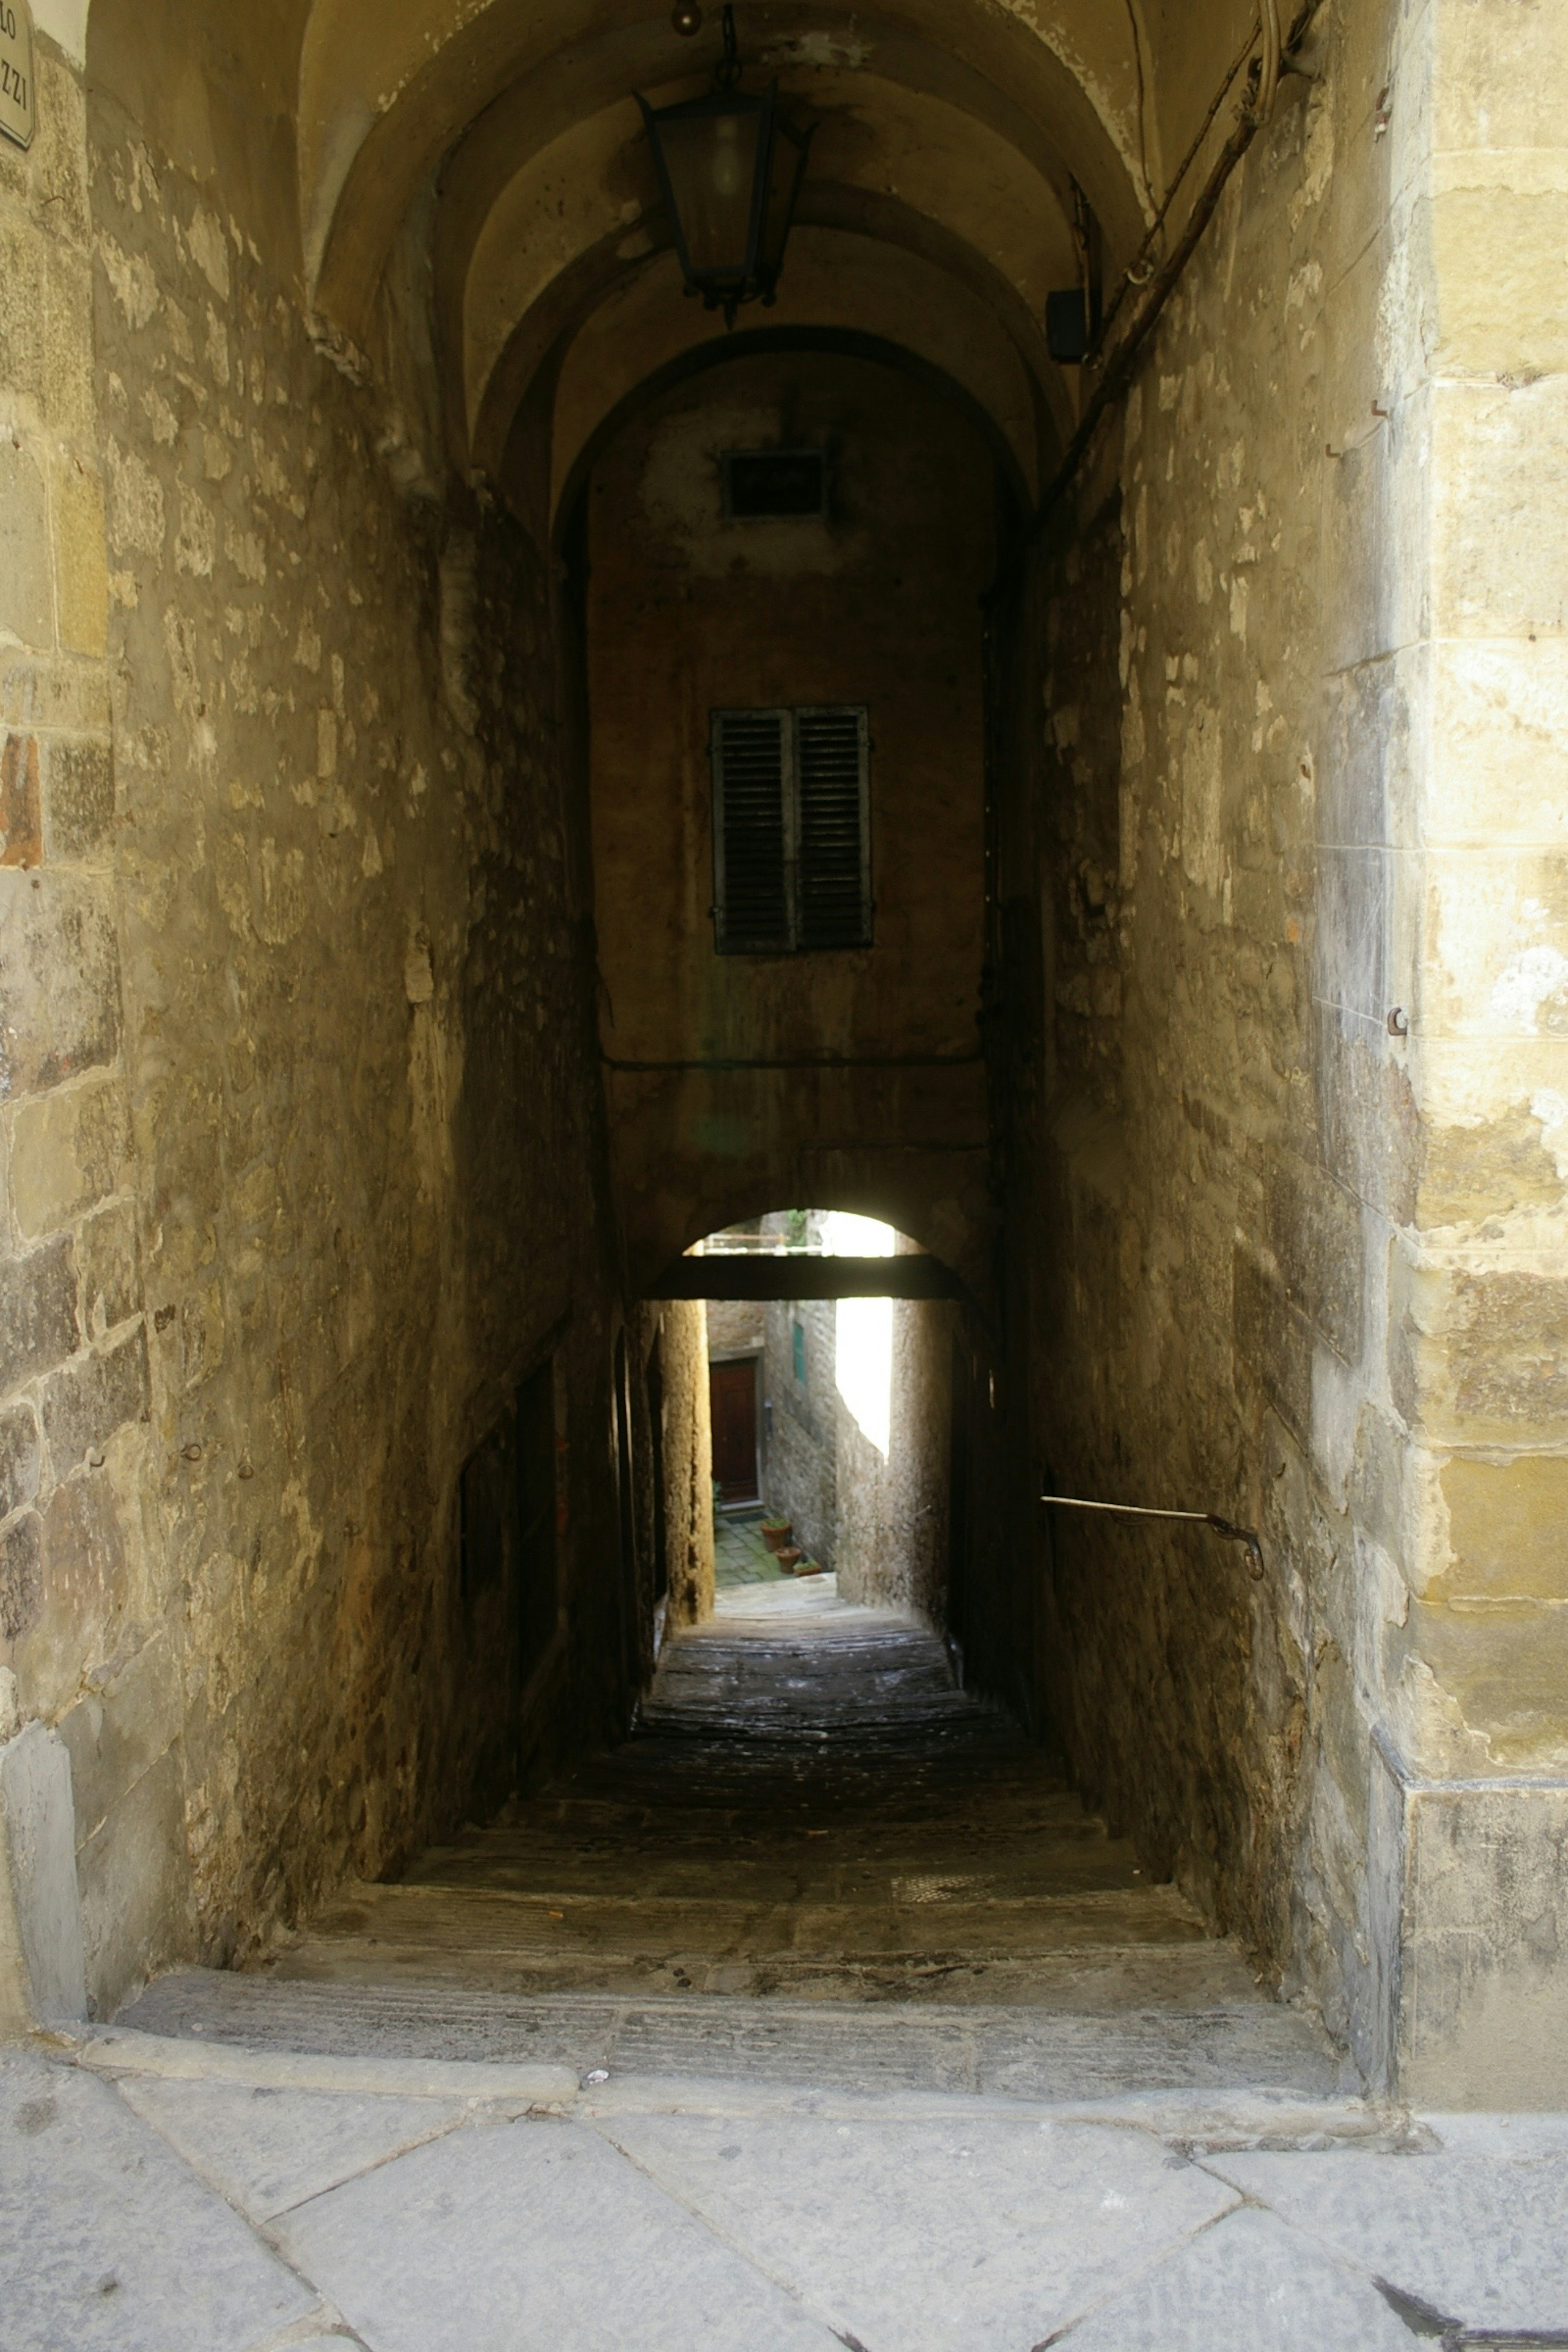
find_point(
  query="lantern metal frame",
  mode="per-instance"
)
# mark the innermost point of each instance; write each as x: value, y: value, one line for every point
x: 754, y: 275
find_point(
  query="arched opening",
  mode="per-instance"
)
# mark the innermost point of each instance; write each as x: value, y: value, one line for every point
x: 503, y: 778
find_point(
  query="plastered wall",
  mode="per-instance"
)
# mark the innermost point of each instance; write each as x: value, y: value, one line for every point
x: 297, y: 1119
x: 736, y: 1081
x: 1291, y: 1192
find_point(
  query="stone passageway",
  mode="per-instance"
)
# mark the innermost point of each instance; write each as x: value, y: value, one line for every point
x: 817, y: 1860
x: 988, y: 792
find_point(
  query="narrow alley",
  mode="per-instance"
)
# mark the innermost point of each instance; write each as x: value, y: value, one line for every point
x: 783, y: 1175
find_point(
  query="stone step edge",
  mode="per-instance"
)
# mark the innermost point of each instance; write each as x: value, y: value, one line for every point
x: 1202, y: 2121
x: 1163, y: 1897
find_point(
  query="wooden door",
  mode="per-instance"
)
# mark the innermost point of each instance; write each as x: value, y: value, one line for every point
x: 732, y: 1396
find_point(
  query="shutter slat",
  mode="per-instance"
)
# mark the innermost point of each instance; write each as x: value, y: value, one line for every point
x: 751, y: 838
x: 834, y: 895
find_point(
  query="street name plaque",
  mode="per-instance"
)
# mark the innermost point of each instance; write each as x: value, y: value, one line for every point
x: 18, y: 105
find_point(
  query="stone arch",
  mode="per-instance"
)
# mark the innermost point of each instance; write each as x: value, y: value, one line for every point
x: 850, y: 342
x: 380, y: 103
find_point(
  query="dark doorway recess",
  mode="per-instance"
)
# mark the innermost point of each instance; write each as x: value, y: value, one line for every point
x: 507, y: 1557
x: 653, y: 1377
x: 732, y: 1393
x: 537, y: 1596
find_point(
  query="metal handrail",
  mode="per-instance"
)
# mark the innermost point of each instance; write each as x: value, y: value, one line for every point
x: 1225, y: 1527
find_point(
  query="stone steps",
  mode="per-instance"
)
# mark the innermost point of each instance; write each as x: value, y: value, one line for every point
x: 818, y: 1861
x: 1095, y: 2044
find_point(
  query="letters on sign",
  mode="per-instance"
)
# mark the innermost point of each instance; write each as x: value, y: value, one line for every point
x: 18, y: 111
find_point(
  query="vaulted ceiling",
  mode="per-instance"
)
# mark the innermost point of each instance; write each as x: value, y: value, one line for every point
x: 937, y: 213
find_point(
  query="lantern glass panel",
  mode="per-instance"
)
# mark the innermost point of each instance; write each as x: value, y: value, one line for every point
x: 786, y: 167
x: 711, y: 158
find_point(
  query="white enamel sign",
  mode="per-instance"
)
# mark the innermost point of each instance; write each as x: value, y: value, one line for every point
x: 18, y: 110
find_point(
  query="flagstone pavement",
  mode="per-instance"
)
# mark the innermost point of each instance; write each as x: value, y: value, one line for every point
x: 157, y: 2198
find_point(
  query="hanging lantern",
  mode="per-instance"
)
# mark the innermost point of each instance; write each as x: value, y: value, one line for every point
x: 730, y: 166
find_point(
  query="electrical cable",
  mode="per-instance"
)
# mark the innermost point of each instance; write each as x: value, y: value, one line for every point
x: 1138, y: 272
x: 1273, y: 49
x: 1118, y: 369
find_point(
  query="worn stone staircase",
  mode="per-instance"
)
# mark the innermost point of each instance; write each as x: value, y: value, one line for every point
x: 816, y: 1861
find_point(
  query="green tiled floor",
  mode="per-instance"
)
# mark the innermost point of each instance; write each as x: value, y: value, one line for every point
x: 740, y: 1555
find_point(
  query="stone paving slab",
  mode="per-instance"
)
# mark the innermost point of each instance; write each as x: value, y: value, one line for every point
x: 1482, y: 2241
x: 973, y: 2236
x: 268, y: 2149
x: 1248, y: 2285
x: 108, y: 2244
x: 534, y: 2234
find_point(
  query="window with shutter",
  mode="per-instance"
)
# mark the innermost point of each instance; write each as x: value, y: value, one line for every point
x: 791, y: 830
x: 834, y: 876
x: 751, y: 833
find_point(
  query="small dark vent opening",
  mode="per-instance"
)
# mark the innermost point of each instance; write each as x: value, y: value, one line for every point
x: 760, y: 484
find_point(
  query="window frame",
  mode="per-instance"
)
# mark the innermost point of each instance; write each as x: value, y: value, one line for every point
x: 727, y: 459
x: 787, y: 718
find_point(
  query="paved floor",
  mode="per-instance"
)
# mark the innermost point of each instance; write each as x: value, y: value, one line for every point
x: 819, y: 2015
x: 740, y: 1555
x: 156, y: 2200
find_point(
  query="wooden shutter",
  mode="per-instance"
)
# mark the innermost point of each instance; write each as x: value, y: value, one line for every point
x: 752, y: 845
x: 835, y: 860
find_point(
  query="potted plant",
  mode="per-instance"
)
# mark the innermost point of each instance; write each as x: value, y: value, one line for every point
x: 777, y: 1533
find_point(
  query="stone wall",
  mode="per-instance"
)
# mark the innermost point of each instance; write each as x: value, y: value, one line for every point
x: 1283, y: 1148
x: 687, y: 1463
x: 299, y: 1172
x: 735, y: 1327
x: 874, y: 1513
x: 892, y: 1540
x: 800, y: 1426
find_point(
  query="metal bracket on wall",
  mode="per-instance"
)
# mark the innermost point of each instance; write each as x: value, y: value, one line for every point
x: 1225, y: 1527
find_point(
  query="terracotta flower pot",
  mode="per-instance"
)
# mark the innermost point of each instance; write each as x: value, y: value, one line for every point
x: 790, y: 1558
x: 777, y: 1533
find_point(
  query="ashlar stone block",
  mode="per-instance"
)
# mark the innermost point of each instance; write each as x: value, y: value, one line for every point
x: 19, y: 1458
x: 22, y: 308
x: 1503, y: 1667
x: 38, y: 1859
x: 1476, y: 1911
x: 109, y: 1262
x: 38, y: 1313
x: 21, y: 803
x: 1506, y: 1523
x: 1500, y: 82
x: 88, y: 1400
x: 1500, y: 566
x: 1479, y: 1356
x: 120, y: 1730
x: 21, y: 1576
x: 77, y: 795
x: 27, y: 592
x: 59, y: 979
x: 69, y: 1149
x: 81, y: 561
x: 1500, y: 260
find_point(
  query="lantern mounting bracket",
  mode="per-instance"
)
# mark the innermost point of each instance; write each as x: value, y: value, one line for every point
x: 728, y: 70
